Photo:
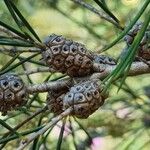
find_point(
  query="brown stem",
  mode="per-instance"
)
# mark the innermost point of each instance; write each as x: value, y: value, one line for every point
x: 44, y: 87
x: 137, y: 68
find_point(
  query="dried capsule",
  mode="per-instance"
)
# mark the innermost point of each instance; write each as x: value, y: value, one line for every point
x: 144, y: 47
x: 85, y: 98
x: 67, y: 56
x: 12, y: 93
x: 102, y: 59
x: 55, y: 100
x: 101, y: 62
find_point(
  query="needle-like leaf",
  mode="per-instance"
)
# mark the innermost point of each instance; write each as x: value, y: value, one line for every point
x: 126, y: 30
x: 20, y: 20
x: 103, y: 6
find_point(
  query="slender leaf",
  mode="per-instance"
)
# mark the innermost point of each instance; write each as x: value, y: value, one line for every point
x: 128, y: 59
x: 13, y: 137
x: 24, y: 22
x: 17, y: 64
x: 35, y: 142
x: 135, y: 48
x: 13, y: 30
x: 86, y: 132
x: 17, y: 20
x: 73, y: 135
x: 126, y: 30
x: 9, y: 127
x: 103, y: 6
x: 10, y: 62
x: 14, y: 42
x: 61, y: 135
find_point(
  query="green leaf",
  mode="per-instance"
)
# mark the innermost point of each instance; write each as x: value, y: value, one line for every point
x: 103, y: 6
x: 126, y: 30
x: 13, y: 30
x: 14, y: 42
x: 129, y: 57
x: 134, y: 48
x: 35, y: 142
x: 20, y: 20
x: 61, y: 135
x: 9, y: 127
x: 17, y: 64
x: 10, y: 62
x: 13, y: 137
x: 17, y: 20
x: 25, y: 21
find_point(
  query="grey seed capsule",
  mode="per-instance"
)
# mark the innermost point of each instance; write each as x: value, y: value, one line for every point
x: 85, y: 98
x: 12, y: 90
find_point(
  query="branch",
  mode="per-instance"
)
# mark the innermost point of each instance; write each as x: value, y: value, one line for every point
x: 137, y: 68
x: 101, y: 72
x: 54, y: 85
x: 37, y: 70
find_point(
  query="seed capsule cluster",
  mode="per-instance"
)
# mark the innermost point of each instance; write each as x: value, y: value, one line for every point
x: 12, y: 93
x: 67, y: 56
x: 85, y: 98
x: 144, y: 47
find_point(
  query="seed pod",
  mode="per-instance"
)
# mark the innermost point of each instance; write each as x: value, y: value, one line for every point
x: 12, y: 93
x: 129, y: 38
x: 102, y: 59
x: 67, y: 56
x: 101, y: 62
x: 85, y: 98
x: 144, y: 47
x: 55, y: 100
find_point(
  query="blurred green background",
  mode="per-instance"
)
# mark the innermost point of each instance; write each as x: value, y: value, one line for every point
x: 123, y: 123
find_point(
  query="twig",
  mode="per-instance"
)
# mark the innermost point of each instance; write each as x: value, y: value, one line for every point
x: 44, y: 129
x: 54, y: 85
x: 12, y: 50
x: 137, y: 68
x: 37, y: 70
x: 9, y: 33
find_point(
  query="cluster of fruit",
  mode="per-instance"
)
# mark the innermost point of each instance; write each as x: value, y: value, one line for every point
x: 73, y: 59
x: 13, y: 93
x: 84, y: 97
x: 144, y: 47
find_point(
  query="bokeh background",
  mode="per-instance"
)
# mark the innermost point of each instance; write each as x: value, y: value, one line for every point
x: 123, y: 123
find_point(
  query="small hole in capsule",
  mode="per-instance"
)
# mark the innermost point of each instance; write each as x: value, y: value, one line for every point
x: 65, y: 48
x: 16, y: 84
x: 81, y: 109
x: 74, y: 49
x: 23, y: 96
x: 88, y: 94
x: 9, y: 95
x: 58, y: 39
x: 55, y: 49
x: 69, y: 95
x: 58, y: 60
x: 5, y: 83
x: 80, y: 97
x: 48, y: 57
